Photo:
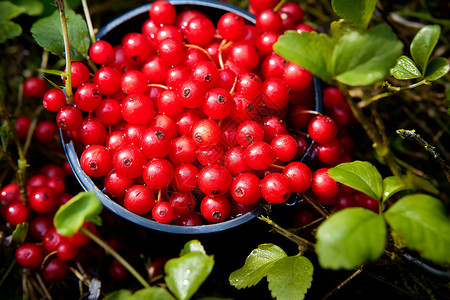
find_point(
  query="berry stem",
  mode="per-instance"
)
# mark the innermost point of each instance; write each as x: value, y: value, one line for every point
x: 279, y: 5
x: 42, y: 286
x: 158, y: 199
x: 69, y: 92
x: 203, y: 50
x: 317, y: 206
x: 87, y: 15
x: 278, y: 166
x: 116, y: 255
x: 158, y: 85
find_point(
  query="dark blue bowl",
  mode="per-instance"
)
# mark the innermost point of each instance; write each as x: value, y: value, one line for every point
x: 112, y: 33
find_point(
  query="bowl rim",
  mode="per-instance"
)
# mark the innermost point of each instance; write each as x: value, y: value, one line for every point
x: 88, y: 184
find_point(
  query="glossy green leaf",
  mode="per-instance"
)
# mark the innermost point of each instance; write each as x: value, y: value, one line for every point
x: 20, y: 232
x: 391, y: 186
x: 418, y: 183
x: 192, y: 246
x: 30, y: 7
x: 154, y: 293
x: 405, y: 69
x: 290, y: 277
x: 339, y: 28
x: 9, y: 10
x: 312, y: 51
x: 357, y: 13
x: 70, y: 216
x: 349, y: 238
x: 422, y: 222
x: 119, y: 295
x: 185, y: 274
x: 214, y: 298
x: 363, y: 59
x: 437, y: 68
x: 360, y: 175
x: 48, y: 34
x: 256, y: 266
x: 9, y: 30
x: 423, y: 45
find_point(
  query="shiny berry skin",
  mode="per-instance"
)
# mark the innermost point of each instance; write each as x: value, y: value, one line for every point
x: 200, y: 31
x: 46, y: 131
x: 101, y: 52
x: 115, y: 184
x: 57, y: 184
x: 300, y: 176
x: 66, y: 251
x: 175, y: 76
x: 244, y: 54
x: 235, y: 162
x: 185, y: 177
x: 245, y: 188
x: 137, y: 47
x: 16, y: 213
x: 259, y: 5
x: 249, y: 84
x: 294, y: 9
x: 231, y: 26
x: 275, y: 188
x: 183, y: 203
x: 29, y: 255
x: 192, y: 219
x: 284, y: 146
x: 210, y: 155
x: 80, y: 74
x: 243, y: 109
x: 165, y: 123
x: 87, y: 97
x: 193, y: 56
x: 108, y: 112
x: 163, y: 212
x: 273, y: 126
x: 158, y: 173
x: 268, y: 20
x: 323, y: 186
x: 117, y: 273
x: 275, y: 93
x: 169, y: 104
x: 133, y: 82
x: 55, y: 270
x: 51, y: 240
x: 183, y: 150
x: 249, y: 132
x: 273, y: 66
x: 155, y: 143
x: 296, y: 77
x: 54, y: 99
x: 34, y: 88
x: 191, y: 93
x: 215, y: 209
x: 79, y: 239
x: 42, y: 199
x: 129, y: 160
x: 69, y: 118
x: 303, y: 27
x: 322, y: 129
x: 139, y: 199
x: 344, y: 201
x: 40, y: 225
x: 107, y: 80
x: 218, y: 104
x: 114, y: 140
x: 9, y: 194
x: 22, y: 126
x: 265, y: 42
x: 205, y: 72
x: 329, y: 153
x: 162, y: 12
x: 206, y: 133
x: 137, y: 109
x: 214, y: 180
x: 133, y: 133
x: 172, y: 51
x: 168, y: 31
x: 259, y: 155
x: 155, y: 70
x: 91, y: 132
x: 332, y: 97
x: 96, y: 161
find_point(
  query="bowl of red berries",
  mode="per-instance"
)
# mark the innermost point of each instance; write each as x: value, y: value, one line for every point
x: 185, y: 125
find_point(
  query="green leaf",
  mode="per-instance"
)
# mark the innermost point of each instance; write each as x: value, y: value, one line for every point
x: 360, y: 175
x: 70, y: 216
x: 30, y: 7
x: 437, y: 68
x: 192, y: 246
x: 312, y: 51
x: 119, y: 295
x: 350, y: 237
x: 363, y: 59
x: 185, y: 274
x: 9, y: 30
x: 9, y: 11
x: 419, y: 183
x: 391, y: 186
x: 20, y: 232
x: 405, y: 69
x: 421, y: 220
x: 154, y: 293
x: 256, y: 266
x: 358, y: 13
x: 48, y: 34
x: 423, y: 45
x: 290, y: 277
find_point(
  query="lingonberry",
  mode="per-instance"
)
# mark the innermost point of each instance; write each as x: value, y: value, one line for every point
x: 108, y: 112
x: 169, y: 104
x: 366, y: 201
x: 92, y: 132
x: 332, y: 96
x: 29, y: 255
x: 214, y: 180
x: 183, y: 151
x: 303, y: 27
x: 323, y: 186
x: 108, y: 80
x: 249, y: 84
x: 51, y: 240
x: 245, y: 188
x: 284, y: 146
x: 185, y: 177
x: 69, y: 118
x: 192, y: 219
x: 259, y: 155
x: 155, y: 70
x: 300, y: 176
x: 268, y: 20
x: 162, y: 12
x: 192, y: 93
x: 228, y: 133
x: 137, y: 47
x: 46, y: 131
x: 22, y: 126
x: 329, y: 153
x: 166, y: 123
x: 213, y: 50
x: 96, y: 160
x: 210, y: 155
x: 249, y: 132
x: 186, y: 121
x: 299, y: 117
x: 287, y: 20
x: 243, y: 109
x: 66, y: 251
x: 64, y: 198
x: 206, y: 133
x: 167, y: 31
x: 215, y: 209
x: 137, y: 109
x: 273, y: 126
x: 245, y: 54
x: 52, y: 170
x: 276, y: 188
x: 234, y: 161
x: 79, y: 74
x: 183, y: 203
x: 259, y: 5
x: 296, y: 77
x: 172, y: 51
x: 294, y: 9
x: 218, y: 104
x: 273, y: 66
x: 55, y: 270
x: 9, y: 194
x: 101, y: 52
x: 155, y: 143
x: 40, y: 225
x: 139, y: 199
x: 122, y: 62
x: 265, y: 42
x: 114, y: 140
x: 158, y: 173
x: 87, y: 97
x: 80, y: 239
x: 57, y: 184
x: 133, y: 133
x: 42, y: 199
x: 129, y: 161
x: 275, y: 93
x: 115, y: 184
x: 193, y: 56
x: 206, y: 72
x: 175, y: 76
x: 34, y: 88
x: 117, y: 273
x: 226, y: 79
x: 163, y: 212
x: 342, y: 115
x: 231, y: 26
x: 54, y: 99
x: 200, y: 31
x: 344, y: 201
x: 16, y: 213
x: 36, y: 180
x: 133, y: 82
x: 322, y: 129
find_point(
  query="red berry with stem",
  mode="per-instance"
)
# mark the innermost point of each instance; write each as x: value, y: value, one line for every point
x: 108, y: 80
x: 218, y: 104
x: 54, y: 99
x: 139, y: 199
x: 299, y: 175
x: 129, y: 160
x: 273, y: 66
x: 114, y: 140
x: 34, y: 88
x: 183, y: 203
x: 244, y: 54
x: 192, y: 93
x: 214, y: 180
x: 168, y: 32
x: 163, y: 212
x: 245, y: 188
x: 294, y: 9
x: 186, y: 121
x: 323, y: 186
x: 215, y: 209
x: 158, y: 173
x: 249, y: 132
x: 96, y: 161
x: 284, y: 146
x: 175, y: 76
x: 193, y: 56
x: 226, y: 79
x: 259, y: 155
x: 115, y: 184
x: 249, y: 84
x: 137, y: 109
x: 55, y: 270
x: 162, y: 12
x: 16, y: 213
x: 231, y: 26
x: 133, y: 82
x: 206, y: 133
x: 165, y: 123
x: 185, y: 177
x: 29, y: 255
x: 101, y: 52
x: 66, y: 251
x: 51, y: 240
x: 322, y: 129
x: 276, y: 188
x: 205, y: 72
x: 69, y: 118
x: 80, y: 239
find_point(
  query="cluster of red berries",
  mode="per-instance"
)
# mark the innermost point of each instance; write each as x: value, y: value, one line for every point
x: 44, y: 248
x: 187, y: 110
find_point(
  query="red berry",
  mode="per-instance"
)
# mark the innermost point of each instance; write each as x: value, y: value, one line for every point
x: 137, y: 109
x: 215, y: 209
x: 234, y: 161
x: 172, y: 51
x: 139, y: 199
x: 200, y: 31
x: 300, y: 176
x: 54, y: 99
x: 34, y: 88
x: 214, y: 180
x: 322, y: 129
x: 296, y: 77
x: 259, y: 155
x: 323, y: 186
x: 66, y: 251
x: 191, y: 219
x: 46, y: 131
x: 91, y: 132
x: 275, y: 93
x: 163, y: 212
x: 137, y: 47
x: 42, y: 199
x: 284, y: 146
x: 329, y: 153
x: 162, y: 12
x: 218, y: 104
x: 158, y: 173
x: 40, y: 225
x: 55, y: 270
x: 69, y: 118
x: 96, y: 161
x: 185, y: 177
x: 249, y: 132
x: 276, y: 188
x: 79, y: 74
x: 101, y: 52
x: 183, y: 151
x: 231, y: 26
x: 268, y: 20
x: 183, y: 203
x: 245, y: 188
x: 108, y: 80
x: 115, y: 184
x: 273, y: 126
x: 22, y: 126
x: 29, y: 255
x: 192, y: 93
x: 206, y: 133
x: 302, y: 217
x: 16, y: 213
x: 129, y: 160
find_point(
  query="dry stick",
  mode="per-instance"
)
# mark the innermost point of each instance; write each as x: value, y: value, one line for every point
x: 68, y: 71
x: 357, y: 272
x: 317, y: 206
x: 43, y: 287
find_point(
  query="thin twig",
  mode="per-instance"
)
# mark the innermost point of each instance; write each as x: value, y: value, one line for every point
x: 69, y: 92
x: 317, y: 206
x: 357, y: 272
x: 87, y: 15
x: 43, y: 287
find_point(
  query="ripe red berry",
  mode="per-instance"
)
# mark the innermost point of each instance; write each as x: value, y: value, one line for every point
x: 183, y: 203
x: 137, y: 109
x: 46, y: 131
x: 275, y: 93
x: 163, y: 212
x: 42, y: 199
x: 276, y: 188
x: 183, y: 151
x: 231, y: 26
x: 55, y: 270
x: 115, y: 184
x: 249, y: 132
x: 137, y: 47
x: 129, y: 160
x: 234, y: 161
x: 66, y: 251
x: 322, y: 129
x: 96, y: 161
x: 69, y: 118
x: 40, y: 225
x: 259, y: 155
x: 29, y: 255
x: 101, y: 52
x: 158, y: 173
x: 218, y: 104
x: 172, y: 51
x: 215, y: 209
x: 330, y: 153
x: 139, y: 199
x: 16, y: 213
x: 22, y: 126
x: 206, y: 133
x: 185, y: 177
x: 162, y: 12
x: 54, y: 99
x: 323, y: 186
x: 300, y: 176
x: 108, y: 80
x: 214, y: 180
x: 284, y: 146
x: 200, y: 31
x: 79, y: 74
x: 296, y: 77
x: 268, y: 20
x: 273, y: 126
x: 245, y: 188
x: 34, y: 88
